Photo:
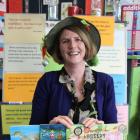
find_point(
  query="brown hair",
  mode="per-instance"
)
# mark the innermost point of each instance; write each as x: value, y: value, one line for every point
x: 91, y: 49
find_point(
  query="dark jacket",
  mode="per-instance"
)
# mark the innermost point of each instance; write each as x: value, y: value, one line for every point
x: 51, y: 99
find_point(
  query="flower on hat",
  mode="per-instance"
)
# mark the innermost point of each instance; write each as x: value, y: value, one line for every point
x: 44, y: 47
x: 44, y: 52
x: 86, y: 24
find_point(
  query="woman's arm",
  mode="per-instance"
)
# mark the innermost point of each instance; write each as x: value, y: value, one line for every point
x: 109, y: 106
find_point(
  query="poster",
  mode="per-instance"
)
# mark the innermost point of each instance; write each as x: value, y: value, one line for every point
x: 19, y: 87
x: 23, y: 58
x: 24, y: 28
x: 105, y: 25
x: 113, y: 60
x: 14, y: 114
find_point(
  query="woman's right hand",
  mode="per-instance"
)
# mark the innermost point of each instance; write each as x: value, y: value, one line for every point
x: 90, y: 122
x: 65, y: 120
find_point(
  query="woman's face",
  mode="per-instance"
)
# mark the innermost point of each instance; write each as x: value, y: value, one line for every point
x: 72, y: 48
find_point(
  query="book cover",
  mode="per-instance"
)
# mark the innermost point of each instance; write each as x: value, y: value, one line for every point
x: 24, y: 132
x: 98, y: 132
x: 52, y: 132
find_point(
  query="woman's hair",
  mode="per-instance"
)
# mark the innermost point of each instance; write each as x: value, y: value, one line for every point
x: 91, y: 49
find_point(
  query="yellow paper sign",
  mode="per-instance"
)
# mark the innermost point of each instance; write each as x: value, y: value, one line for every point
x: 19, y: 86
x: 24, y: 28
x: 14, y: 115
x: 105, y: 25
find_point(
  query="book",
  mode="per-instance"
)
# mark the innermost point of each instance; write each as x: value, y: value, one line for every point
x: 114, y: 131
x: 1, y: 28
x: 24, y: 132
x: 98, y: 132
x: 52, y: 132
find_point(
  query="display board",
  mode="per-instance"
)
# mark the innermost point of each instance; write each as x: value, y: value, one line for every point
x: 22, y: 56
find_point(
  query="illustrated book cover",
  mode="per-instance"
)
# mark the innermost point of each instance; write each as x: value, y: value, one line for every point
x: 52, y: 132
x: 98, y: 132
x: 24, y: 132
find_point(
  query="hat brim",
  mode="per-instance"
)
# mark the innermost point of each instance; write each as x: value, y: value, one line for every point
x: 71, y: 21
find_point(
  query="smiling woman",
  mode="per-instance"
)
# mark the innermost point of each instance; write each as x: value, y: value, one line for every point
x: 76, y: 93
x: 71, y: 47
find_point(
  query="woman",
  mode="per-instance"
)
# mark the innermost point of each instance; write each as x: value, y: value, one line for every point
x: 76, y: 93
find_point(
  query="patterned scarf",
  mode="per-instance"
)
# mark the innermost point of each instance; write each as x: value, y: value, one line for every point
x: 87, y: 107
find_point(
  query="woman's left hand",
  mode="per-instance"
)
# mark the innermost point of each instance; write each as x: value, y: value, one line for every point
x: 90, y: 122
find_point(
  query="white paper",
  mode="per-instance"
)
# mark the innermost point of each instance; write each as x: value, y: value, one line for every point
x: 113, y: 59
x: 23, y: 58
